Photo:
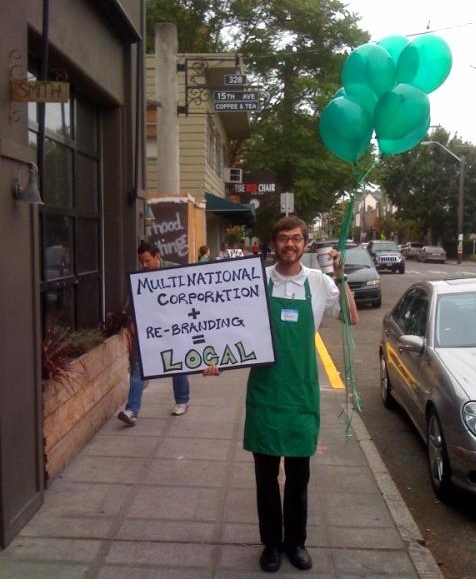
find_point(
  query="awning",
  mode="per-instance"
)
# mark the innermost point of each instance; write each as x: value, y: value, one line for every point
x: 239, y: 213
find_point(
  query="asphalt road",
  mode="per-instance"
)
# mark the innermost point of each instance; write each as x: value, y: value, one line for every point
x: 449, y: 530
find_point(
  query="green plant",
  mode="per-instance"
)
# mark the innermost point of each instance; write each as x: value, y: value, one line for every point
x: 56, y: 353
x: 61, y: 345
x: 118, y: 320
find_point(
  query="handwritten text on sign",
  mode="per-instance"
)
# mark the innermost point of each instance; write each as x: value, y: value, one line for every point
x: 195, y: 316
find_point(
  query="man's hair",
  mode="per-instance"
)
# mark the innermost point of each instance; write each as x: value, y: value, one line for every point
x: 146, y: 246
x: 287, y: 223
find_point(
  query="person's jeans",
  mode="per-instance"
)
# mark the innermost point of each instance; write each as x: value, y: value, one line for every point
x: 180, y: 385
x: 181, y: 388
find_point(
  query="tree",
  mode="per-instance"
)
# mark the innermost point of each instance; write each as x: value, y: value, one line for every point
x: 294, y: 51
x: 198, y: 23
x: 424, y: 184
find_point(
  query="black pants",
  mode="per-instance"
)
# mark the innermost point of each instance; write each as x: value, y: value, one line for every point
x: 293, y: 514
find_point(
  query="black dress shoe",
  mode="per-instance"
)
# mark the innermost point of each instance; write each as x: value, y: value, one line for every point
x: 270, y: 560
x: 299, y: 557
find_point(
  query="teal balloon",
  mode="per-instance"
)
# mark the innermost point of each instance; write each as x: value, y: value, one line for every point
x: 345, y: 128
x: 394, y: 45
x: 369, y: 65
x: 425, y: 63
x: 400, y: 111
x: 363, y: 95
x: 395, y: 146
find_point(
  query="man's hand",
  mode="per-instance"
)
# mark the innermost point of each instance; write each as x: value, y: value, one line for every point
x: 211, y: 371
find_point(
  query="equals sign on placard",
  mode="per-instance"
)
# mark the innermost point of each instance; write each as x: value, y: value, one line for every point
x: 198, y: 339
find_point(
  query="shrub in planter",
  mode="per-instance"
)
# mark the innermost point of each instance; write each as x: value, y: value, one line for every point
x: 85, y: 379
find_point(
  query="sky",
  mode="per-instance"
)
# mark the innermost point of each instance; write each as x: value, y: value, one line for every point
x: 453, y: 104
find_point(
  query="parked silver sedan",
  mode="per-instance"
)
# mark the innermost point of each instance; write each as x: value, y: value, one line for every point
x: 431, y: 253
x: 428, y: 365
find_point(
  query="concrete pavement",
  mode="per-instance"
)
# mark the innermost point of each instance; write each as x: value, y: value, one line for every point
x: 174, y: 498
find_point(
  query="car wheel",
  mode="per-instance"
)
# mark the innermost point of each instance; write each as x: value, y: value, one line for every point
x: 385, y: 384
x: 440, y: 471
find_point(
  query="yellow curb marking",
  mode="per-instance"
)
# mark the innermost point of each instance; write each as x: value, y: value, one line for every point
x: 329, y: 366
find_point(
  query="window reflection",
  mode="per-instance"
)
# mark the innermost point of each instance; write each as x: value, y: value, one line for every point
x: 58, y: 118
x: 58, y: 252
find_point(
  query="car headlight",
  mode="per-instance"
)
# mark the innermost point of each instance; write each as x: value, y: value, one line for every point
x: 373, y: 282
x: 469, y: 416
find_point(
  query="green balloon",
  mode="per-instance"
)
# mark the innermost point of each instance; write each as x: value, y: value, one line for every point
x: 363, y: 95
x: 400, y: 111
x: 369, y: 65
x: 394, y: 45
x: 425, y: 62
x: 345, y: 128
x: 395, y: 146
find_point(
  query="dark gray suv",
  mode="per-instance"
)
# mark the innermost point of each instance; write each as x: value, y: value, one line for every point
x: 386, y: 256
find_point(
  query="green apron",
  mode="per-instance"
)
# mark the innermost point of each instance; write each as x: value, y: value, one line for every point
x: 282, y: 402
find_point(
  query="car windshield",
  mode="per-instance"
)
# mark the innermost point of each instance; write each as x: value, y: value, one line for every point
x: 455, y: 325
x: 357, y: 258
x: 385, y: 246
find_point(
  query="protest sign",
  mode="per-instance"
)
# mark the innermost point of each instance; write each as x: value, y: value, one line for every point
x: 191, y: 317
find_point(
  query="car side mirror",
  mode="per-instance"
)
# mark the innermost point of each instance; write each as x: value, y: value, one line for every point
x: 411, y: 343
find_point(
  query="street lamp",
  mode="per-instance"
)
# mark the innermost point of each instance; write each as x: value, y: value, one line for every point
x: 461, y: 161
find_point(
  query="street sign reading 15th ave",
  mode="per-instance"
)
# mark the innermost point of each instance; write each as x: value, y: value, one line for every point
x: 236, y: 100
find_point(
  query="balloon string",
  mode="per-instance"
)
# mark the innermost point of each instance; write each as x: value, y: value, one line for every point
x: 353, y: 400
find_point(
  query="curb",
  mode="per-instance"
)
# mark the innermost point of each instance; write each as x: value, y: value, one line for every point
x: 421, y: 557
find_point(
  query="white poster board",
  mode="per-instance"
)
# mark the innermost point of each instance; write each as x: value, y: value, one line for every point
x: 191, y: 317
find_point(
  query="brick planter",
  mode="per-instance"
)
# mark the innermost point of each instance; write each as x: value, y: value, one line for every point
x: 75, y: 410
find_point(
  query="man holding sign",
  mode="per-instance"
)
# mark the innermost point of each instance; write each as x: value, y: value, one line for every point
x: 282, y: 404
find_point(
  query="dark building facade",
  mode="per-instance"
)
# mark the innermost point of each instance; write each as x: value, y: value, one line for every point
x: 64, y: 262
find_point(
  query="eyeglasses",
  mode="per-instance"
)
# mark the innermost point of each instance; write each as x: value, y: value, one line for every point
x: 286, y: 238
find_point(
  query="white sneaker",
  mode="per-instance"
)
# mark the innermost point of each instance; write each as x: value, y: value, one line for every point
x: 128, y: 417
x: 179, y: 409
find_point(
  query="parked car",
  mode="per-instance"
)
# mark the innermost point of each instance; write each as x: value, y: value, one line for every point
x: 432, y: 253
x: 410, y: 249
x: 427, y: 365
x: 386, y: 256
x: 362, y: 277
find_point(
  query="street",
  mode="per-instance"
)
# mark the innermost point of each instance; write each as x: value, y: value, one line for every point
x: 449, y: 531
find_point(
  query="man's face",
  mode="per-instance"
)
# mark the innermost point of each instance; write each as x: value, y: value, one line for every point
x: 149, y: 261
x: 290, y: 245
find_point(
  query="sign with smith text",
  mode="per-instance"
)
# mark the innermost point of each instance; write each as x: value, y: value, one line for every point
x: 191, y: 317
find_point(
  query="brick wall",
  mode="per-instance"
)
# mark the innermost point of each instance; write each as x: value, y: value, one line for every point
x: 75, y: 410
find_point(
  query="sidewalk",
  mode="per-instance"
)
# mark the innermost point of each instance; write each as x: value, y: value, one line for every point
x: 174, y: 498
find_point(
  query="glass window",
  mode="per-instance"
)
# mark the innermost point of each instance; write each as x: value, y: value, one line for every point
x: 89, y: 307
x: 58, y: 175
x: 59, y: 305
x: 86, y: 176
x: 58, y: 119
x: 70, y: 219
x: 86, y: 126
x: 58, y: 254
x: 87, y: 245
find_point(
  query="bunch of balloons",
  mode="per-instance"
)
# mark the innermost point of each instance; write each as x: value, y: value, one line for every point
x: 385, y: 89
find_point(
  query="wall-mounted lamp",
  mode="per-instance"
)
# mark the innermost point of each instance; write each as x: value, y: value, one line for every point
x: 29, y: 193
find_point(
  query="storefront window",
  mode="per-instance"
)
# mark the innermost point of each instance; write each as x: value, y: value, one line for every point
x: 70, y: 219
